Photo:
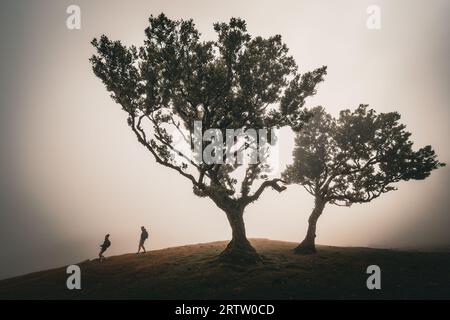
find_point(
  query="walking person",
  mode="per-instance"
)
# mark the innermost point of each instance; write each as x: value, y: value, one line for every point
x: 144, y: 236
x: 105, y: 245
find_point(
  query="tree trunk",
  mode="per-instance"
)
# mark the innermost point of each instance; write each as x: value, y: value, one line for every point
x: 308, y: 245
x: 239, y: 249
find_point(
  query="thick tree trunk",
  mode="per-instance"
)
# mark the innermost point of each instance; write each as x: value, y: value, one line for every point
x: 239, y: 249
x: 308, y: 245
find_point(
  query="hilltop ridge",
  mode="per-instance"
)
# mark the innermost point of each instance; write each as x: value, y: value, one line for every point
x: 192, y: 272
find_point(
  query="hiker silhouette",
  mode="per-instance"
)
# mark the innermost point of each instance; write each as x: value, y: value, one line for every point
x: 105, y: 245
x: 144, y: 236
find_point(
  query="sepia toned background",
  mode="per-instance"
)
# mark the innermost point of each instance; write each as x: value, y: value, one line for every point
x: 71, y: 170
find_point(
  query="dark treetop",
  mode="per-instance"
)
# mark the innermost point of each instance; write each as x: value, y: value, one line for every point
x: 233, y: 82
x: 357, y: 157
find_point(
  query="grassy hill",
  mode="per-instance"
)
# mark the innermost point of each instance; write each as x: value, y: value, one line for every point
x: 192, y: 272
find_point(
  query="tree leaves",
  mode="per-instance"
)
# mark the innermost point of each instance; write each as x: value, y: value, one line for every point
x: 234, y: 82
x: 356, y: 157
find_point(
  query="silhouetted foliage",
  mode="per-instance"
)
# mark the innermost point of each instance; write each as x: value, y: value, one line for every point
x: 354, y: 159
x: 235, y: 82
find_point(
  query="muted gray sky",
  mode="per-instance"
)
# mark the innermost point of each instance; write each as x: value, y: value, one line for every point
x: 72, y: 171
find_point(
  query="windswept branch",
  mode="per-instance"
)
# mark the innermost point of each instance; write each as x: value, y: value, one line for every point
x: 140, y: 135
x: 274, y: 183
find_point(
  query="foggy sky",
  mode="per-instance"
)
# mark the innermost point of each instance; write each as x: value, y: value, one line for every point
x: 72, y: 171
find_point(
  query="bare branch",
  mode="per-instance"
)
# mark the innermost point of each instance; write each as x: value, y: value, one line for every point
x: 140, y: 134
x: 268, y: 183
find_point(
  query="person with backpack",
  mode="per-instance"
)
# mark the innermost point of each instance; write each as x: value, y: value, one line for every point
x: 106, y: 244
x: 144, y: 236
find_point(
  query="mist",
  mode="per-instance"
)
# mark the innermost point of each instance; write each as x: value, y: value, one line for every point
x: 72, y: 171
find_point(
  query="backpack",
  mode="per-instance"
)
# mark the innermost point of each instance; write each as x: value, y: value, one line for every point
x: 106, y: 244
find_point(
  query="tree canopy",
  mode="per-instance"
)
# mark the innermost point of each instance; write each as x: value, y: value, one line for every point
x: 175, y: 79
x: 357, y: 157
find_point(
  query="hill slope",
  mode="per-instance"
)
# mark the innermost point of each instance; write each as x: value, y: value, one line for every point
x: 192, y: 272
